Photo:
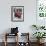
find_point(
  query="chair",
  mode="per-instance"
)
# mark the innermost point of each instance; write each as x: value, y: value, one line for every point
x: 8, y: 36
x: 14, y: 32
x: 26, y: 41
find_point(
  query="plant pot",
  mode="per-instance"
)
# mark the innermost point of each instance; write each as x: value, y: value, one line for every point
x: 38, y: 40
x: 42, y: 40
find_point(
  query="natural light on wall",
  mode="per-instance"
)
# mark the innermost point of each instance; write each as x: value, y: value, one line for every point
x: 41, y: 9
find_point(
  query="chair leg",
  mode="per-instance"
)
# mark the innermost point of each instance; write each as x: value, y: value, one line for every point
x: 5, y: 43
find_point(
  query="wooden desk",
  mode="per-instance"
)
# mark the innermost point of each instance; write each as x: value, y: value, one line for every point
x: 8, y: 34
x: 22, y: 34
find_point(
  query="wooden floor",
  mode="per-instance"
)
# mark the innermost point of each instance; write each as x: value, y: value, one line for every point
x: 13, y: 44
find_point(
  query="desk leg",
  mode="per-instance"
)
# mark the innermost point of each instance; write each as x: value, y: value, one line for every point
x: 28, y: 44
x: 5, y: 40
x: 5, y: 43
x: 17, y: 40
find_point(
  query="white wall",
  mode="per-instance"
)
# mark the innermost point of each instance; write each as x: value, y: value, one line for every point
x: 29, y: 15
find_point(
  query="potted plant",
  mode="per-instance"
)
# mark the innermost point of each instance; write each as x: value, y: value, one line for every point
x: 38, y: 27
x: 39, y: 35
x: 35, y: 26
x: 42, y: 27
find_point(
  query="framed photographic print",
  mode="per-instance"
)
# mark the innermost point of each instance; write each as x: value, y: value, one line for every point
x: 17, y: 13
